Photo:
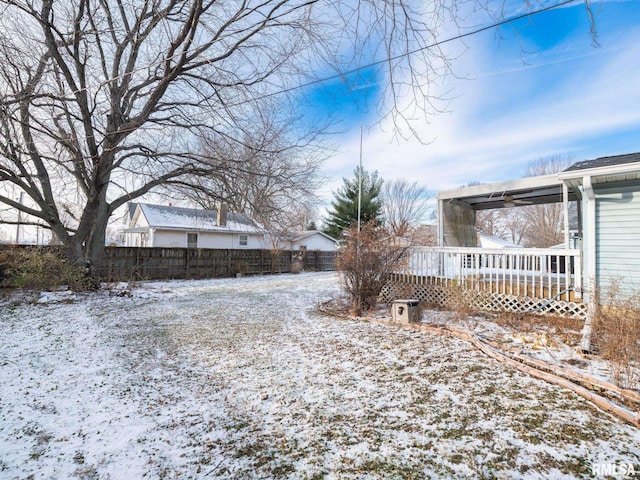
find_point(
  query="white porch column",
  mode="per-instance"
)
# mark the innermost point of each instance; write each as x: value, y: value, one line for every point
x: 589, y: 241
x: 565, y: 204
x: 440, y: 214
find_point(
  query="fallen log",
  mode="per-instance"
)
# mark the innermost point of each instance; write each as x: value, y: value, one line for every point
x: 629, y: 396
x: 598, y: 400
x: 541, y: 370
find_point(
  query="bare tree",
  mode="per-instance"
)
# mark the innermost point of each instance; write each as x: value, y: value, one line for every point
x: 268, y: 176
x: 514, y: 221
x: 544, y: 223
x: 102, y: 102
x: 506, y: 223
x: 549, y: 165
x: 499, y: 223
x: 404, y: 206
x: 529, y: 225
x: 491, y: 222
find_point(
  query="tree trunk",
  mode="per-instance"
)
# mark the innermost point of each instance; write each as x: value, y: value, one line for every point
x: 94, y: 251
x: 75, y: 255
x: 85, y: 249
x: 95, y: 240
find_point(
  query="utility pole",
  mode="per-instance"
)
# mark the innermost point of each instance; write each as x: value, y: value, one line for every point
x: 360, y: 182
x: 359, y: 208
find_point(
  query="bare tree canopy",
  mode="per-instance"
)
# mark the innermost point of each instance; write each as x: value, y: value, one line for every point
x: 268, y: 175
x: 529, y: 225
x: 404, y: 206
x: 544, y: 223
x: 102, y: 102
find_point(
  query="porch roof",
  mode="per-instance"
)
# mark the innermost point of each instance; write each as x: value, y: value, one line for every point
x: 519, y: 192
x: 613, y: 169
x: 546, y: 188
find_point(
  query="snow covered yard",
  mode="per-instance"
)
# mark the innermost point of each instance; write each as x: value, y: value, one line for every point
x: 240, y: 378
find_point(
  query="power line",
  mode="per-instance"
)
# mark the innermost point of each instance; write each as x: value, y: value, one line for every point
x: 401, y: 55
x: 353, y: 70
x: 412, y: 52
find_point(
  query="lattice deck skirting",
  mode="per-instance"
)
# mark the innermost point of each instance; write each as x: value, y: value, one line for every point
x: 453, y: 296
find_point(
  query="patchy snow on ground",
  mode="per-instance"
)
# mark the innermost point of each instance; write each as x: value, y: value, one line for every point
x: 553, y: 340
x: 241, y: 378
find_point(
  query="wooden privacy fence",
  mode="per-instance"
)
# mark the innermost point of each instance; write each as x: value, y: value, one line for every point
x: 125, y: 263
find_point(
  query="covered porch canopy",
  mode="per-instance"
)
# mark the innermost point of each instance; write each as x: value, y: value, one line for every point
x: 607, y: 194
x: 457, y: 207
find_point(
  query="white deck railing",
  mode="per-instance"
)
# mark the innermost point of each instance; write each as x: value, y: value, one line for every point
x: 532, y: 272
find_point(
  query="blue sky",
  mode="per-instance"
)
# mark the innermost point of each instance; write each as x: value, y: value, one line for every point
x: 536, y: 88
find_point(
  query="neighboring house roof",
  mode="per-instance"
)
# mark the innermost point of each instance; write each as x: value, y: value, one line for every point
x: 489, y: 241
x: 131, y: 209
x: 180, y: 218
x: 298, y: 236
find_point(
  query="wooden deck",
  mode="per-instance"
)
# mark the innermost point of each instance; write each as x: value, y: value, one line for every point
x: 539, y: 273
x: 517, y: 280
x: 522, y: 287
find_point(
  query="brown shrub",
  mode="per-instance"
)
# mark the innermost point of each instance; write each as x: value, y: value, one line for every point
x: 39, y: 269
x: 616, y: 333
x: 365, y: 262
x: 7, y: 261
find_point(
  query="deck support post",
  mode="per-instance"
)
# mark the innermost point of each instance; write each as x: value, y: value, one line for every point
x: 587, y: 330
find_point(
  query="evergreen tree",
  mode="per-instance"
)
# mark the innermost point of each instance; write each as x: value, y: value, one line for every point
x: 344, y: 208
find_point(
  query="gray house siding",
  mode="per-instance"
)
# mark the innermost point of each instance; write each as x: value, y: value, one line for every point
x: 618, y: 238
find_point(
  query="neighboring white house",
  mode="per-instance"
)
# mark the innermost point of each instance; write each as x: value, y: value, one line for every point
x: 489, y: 241
x: 167, y: 226
x: 309, y: 240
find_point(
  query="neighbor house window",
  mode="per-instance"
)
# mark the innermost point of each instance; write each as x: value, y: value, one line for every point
x: 192, y: 240
x: 244, y: 240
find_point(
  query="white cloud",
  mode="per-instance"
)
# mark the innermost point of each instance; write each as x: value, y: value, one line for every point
x: 594, y: 99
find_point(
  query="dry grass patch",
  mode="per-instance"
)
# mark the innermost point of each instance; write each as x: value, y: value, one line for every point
x: 568, y: 330
x: 617, y: 335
